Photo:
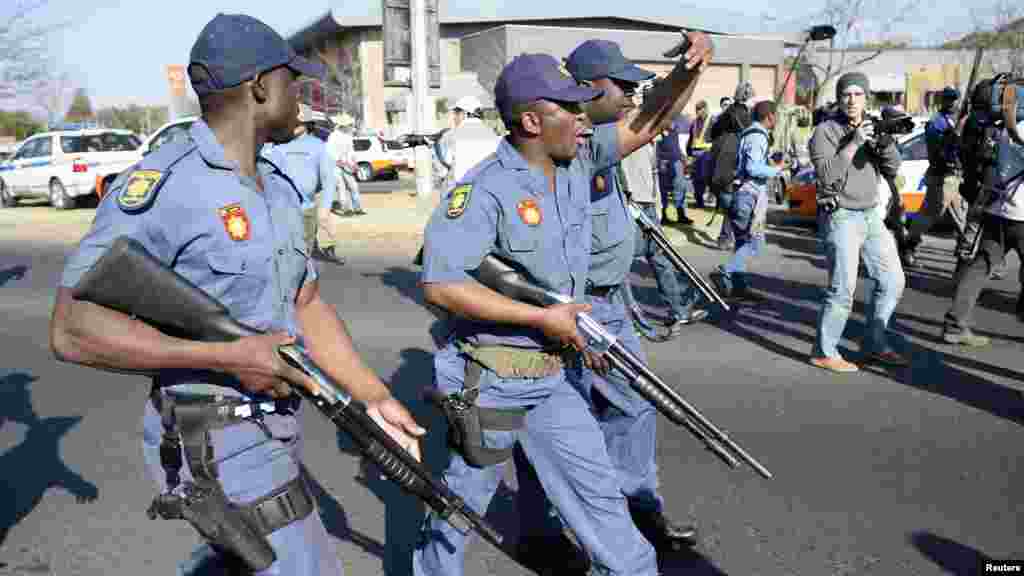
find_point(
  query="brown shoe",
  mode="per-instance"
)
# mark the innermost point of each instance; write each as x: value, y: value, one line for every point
x: 837, y: 364
x: 888, y: 358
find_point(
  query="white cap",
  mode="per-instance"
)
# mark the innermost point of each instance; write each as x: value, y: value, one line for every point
x: 469, y: 104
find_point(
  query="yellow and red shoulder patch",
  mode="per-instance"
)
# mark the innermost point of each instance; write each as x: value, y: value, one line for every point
x: 236, y: 222
x: 140, y: 190
x: 458, y: 200
x: 529, y: 212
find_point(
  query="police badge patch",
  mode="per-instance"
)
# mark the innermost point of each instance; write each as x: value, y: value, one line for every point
x: 140, y: 191
x: 236, y: 222
x: 529, y: 212
x: 459, y: 199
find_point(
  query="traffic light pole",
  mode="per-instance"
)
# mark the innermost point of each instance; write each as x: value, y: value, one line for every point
x: 422, y: 109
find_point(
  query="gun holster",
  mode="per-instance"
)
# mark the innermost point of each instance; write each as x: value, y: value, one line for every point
x: 467, y: 422
x: 235, y: 530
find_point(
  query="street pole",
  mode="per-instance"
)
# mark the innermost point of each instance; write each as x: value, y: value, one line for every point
x: 422, y: 113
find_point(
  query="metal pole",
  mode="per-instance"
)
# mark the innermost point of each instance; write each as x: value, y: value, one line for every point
x: 422, y: 113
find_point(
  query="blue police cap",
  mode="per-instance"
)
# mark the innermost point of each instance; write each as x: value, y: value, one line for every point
x: 531, y: 77
x: 233, y: 48
x: 603, y: 59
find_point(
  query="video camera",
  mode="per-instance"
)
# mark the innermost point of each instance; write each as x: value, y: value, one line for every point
x: 413, y: 140
x: 892, y: 123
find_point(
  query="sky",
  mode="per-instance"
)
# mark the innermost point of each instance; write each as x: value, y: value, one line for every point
x: 117, y: 49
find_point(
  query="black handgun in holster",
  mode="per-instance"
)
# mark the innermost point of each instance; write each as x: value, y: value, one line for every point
x: 466, y: 425
x: 205, y: 506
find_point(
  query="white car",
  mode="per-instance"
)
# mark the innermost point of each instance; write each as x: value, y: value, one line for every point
x: 65, y: 165
x: 372, y: 160
x: 166, y: 133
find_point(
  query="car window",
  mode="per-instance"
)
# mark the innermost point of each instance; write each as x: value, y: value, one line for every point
x: 27, y: 150
x: 914, y: 149
x: 169, y: 133
x: 361, y: 144
x: 105, y: 142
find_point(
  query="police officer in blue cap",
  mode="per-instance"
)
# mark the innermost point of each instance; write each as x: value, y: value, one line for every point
x: 627, y: 421
x: 230, y: 221
x: 529, y: 203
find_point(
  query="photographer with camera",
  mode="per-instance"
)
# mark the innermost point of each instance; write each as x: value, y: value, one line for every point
x: 849, y: 159
x: 943, y: 177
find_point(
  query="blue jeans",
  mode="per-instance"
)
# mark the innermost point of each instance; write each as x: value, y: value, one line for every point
x: 725, y: 200
x: 741, y: 214
x: 849, y: 236
x: 350, y: 200
x: 676, y: 290
x: 673, y: 178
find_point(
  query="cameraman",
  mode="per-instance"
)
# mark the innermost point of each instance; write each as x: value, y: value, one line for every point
x: 849, y: 160
x: 1002, y: 230
x: 943, y: 177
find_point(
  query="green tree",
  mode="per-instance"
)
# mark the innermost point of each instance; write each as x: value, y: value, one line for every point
x: 139, y: 119
x: 19, y: 124
x: 81, y: 107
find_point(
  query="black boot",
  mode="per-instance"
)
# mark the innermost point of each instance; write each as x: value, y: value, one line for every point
x: 664, y: 534
x: 556, y: 557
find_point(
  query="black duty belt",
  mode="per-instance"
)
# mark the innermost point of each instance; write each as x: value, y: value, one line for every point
x: 289, y: 503
x: 601, y: 291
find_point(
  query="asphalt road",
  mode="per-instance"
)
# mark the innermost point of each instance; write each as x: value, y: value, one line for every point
x: 912, y: 471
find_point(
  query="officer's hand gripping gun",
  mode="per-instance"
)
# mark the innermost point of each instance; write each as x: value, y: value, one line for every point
x: 506, y: 280
x: 128, y: 279
x: 650, y: 228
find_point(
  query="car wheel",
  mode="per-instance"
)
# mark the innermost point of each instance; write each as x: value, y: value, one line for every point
x: 364, y: 173
x: 59, y: 198
x: 6, y: 199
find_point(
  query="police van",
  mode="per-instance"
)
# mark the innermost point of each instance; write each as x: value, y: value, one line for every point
x: 64, y: 165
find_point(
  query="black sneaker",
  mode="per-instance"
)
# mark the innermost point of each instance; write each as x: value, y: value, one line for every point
x: 664, y: 534
x: 685, y: 221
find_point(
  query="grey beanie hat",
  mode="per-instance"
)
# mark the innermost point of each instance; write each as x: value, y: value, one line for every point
x: 852, y: 79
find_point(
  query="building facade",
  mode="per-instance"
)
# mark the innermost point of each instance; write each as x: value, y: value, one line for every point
x: 473, y: 51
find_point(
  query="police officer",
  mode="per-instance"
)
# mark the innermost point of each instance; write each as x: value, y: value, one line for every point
x: 468, y: 141
x: 229, y: 220
x: 529, y: 203
x: 943, y: 177
x: 312, y: 170
x: 627, y: 421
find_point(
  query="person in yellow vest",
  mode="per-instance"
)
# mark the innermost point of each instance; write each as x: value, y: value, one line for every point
x: 696, y: 146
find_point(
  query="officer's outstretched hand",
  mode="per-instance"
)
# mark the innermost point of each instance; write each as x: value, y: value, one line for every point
x: 398, y: 423
x: 698, y: 56
x: 261, y: 370
x: 559, y: 324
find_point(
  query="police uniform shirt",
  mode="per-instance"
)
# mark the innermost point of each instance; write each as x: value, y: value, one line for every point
x: 192, y: 209
x: 469, y: 144
x: 610, y: 254
x: 504, y: 207
x: 310, y: 167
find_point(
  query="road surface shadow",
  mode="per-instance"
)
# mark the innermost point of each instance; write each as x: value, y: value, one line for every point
x: 406, y: 282
x: 336, y: 521
x: 953, y: 557
x: 36, y: 459
x: 12, y: 273
x: 931, y: 370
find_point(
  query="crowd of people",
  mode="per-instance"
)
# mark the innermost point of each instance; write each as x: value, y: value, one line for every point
x: 553, y: 199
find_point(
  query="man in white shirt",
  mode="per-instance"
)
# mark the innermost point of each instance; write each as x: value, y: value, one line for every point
x: 467, y: 143
x: 339, y: 145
